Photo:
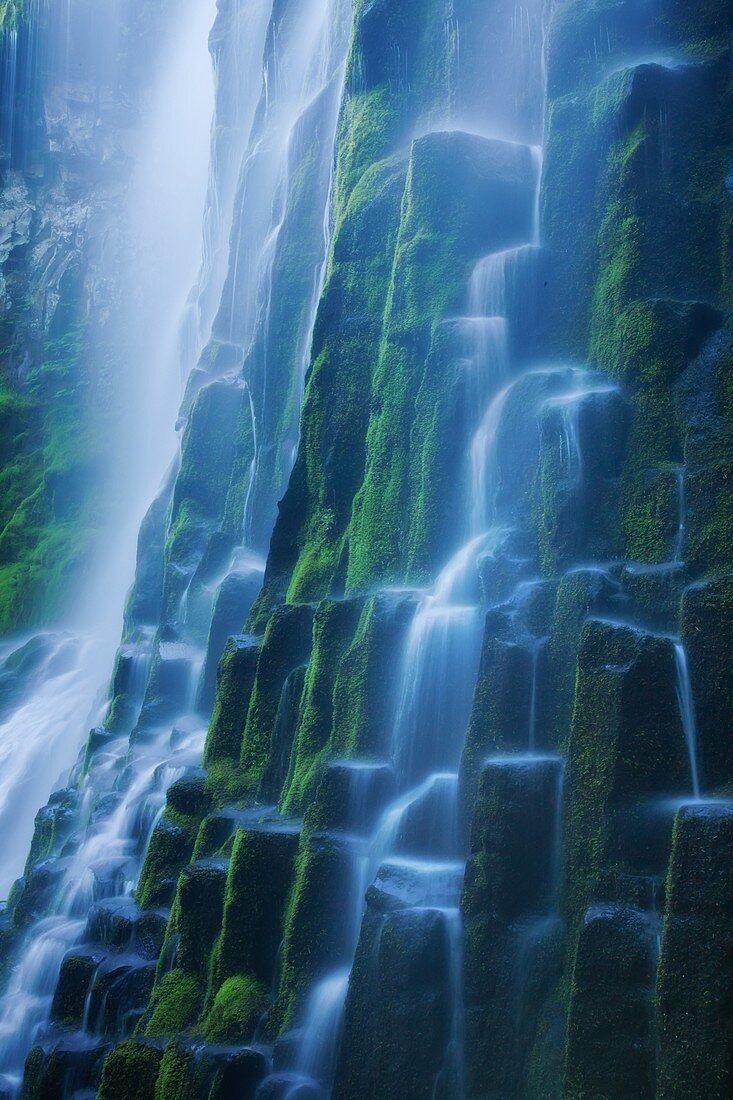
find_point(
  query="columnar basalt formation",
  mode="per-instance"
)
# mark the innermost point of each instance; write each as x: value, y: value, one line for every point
x: 416, y: 778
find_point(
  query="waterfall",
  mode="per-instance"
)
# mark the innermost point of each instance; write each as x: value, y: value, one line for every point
x: 165, y: 198
x: 385, y: 799
x: 687, y: 714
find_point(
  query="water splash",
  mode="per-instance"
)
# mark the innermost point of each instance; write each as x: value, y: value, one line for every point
x: 686, y: 702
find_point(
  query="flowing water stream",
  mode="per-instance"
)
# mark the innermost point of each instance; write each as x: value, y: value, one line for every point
x: 247, y: 200
x: 41, y: 737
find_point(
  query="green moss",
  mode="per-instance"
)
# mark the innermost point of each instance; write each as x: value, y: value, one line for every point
x: 176, y: 1074
x: 11, y: 13
x: 259, y: 879
x: 313, y: 920
x: 363, y: 694
x: 130, y: 1072
x: 234, y: 682
x: 626, y: 747
x: 693, y: 992
x: 387, y: 92
x: 333, y: 629
x: 48, y: 507
x: 286, y: 645
x: 308, y: 539
x: 170, y: 848
x: 175, y: 1004
x: 197, y: 914
x: 237, y: 1008
x: 463, y: 197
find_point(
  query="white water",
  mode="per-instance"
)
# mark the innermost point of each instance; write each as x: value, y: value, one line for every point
x: 414, y: 852
x: 165, y: 201
x: 687, y: 715
x: 40, y: 741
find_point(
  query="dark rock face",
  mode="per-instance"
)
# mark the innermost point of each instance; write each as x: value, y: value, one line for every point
x: 694, y: 986
x: 397, y: 1012
x: 610, y: 1048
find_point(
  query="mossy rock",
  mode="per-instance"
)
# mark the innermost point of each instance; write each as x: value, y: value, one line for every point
x: 191, y: 1070
x: 367, y: 679
x: 576, y: 491
x: 118, y: 925
x: 188, y: 796
x: 316, y: 935
x: 52, y: 1069
x: 351, y: 797
x: 627, y: 752
x: 707, y: 621
x: 500, y: 715
x: 464, y: 196
x: 581, y: 594
x: 232, y: 604
x: 334, y: 625
x: 286, y: 646
x: 515, y: 838
x: 258, y: 883
x: 119, y: 994
x: 694, y: 984
x: 176, y: 1077
x: 307, y: 542
x: 284, y: 735
x: 74, y: 982
x: 513, y: 943
x: 130, y: 1072
x: 170, y: 849
x: 174, y: 1006
x: 234, y: 683
x: 398, y: 1008
x: 610, y: 1048
x: 238, y: 1006
x: 197, y: 914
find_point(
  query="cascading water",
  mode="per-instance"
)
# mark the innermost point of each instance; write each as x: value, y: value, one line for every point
x: 169, y: 180
x: 479, y: 753
x: 170, y: 177
x: 415, y: 852
x: 109, y: 845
